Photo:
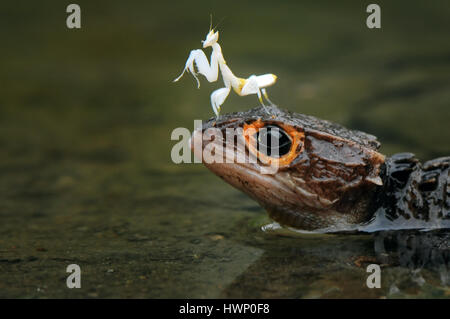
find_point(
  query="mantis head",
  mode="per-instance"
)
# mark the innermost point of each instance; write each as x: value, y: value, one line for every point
x: 211, y: 38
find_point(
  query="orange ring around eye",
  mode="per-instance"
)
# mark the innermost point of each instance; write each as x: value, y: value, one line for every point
x: 296, y: 147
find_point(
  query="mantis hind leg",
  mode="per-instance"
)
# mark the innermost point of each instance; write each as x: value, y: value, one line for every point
x: 266, y: 96
x: 261, y: 100
x: 251, y: 87
x: 258, y: 93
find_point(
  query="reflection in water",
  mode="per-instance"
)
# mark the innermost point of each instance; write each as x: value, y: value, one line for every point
x: 413, y: 264
x: 415, y: 250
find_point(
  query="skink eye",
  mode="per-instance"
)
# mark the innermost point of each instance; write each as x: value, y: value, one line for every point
x: 273, y: 141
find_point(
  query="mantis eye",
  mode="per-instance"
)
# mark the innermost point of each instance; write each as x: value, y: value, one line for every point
x: 273, y: 141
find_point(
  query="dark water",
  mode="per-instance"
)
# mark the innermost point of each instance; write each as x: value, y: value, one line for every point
x: 85, y: 170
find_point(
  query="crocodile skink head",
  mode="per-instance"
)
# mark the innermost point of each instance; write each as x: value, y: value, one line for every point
x: 326, y: 177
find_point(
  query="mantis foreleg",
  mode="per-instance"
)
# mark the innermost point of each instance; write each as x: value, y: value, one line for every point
x: 198, y: 57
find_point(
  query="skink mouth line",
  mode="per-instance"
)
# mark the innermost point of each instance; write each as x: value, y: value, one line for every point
x: 221, y: 151
x: 240, y: 165
x: 265, y: 189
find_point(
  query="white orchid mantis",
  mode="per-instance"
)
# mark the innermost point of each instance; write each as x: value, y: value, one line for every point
x: 255, y: 84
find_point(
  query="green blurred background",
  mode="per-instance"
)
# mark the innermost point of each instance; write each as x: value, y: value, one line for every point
x: 85, y: 123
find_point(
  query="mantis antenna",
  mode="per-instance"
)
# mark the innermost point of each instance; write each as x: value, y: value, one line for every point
x: 210, y: 22
x: 254, y: 84
x: 219, y: 23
